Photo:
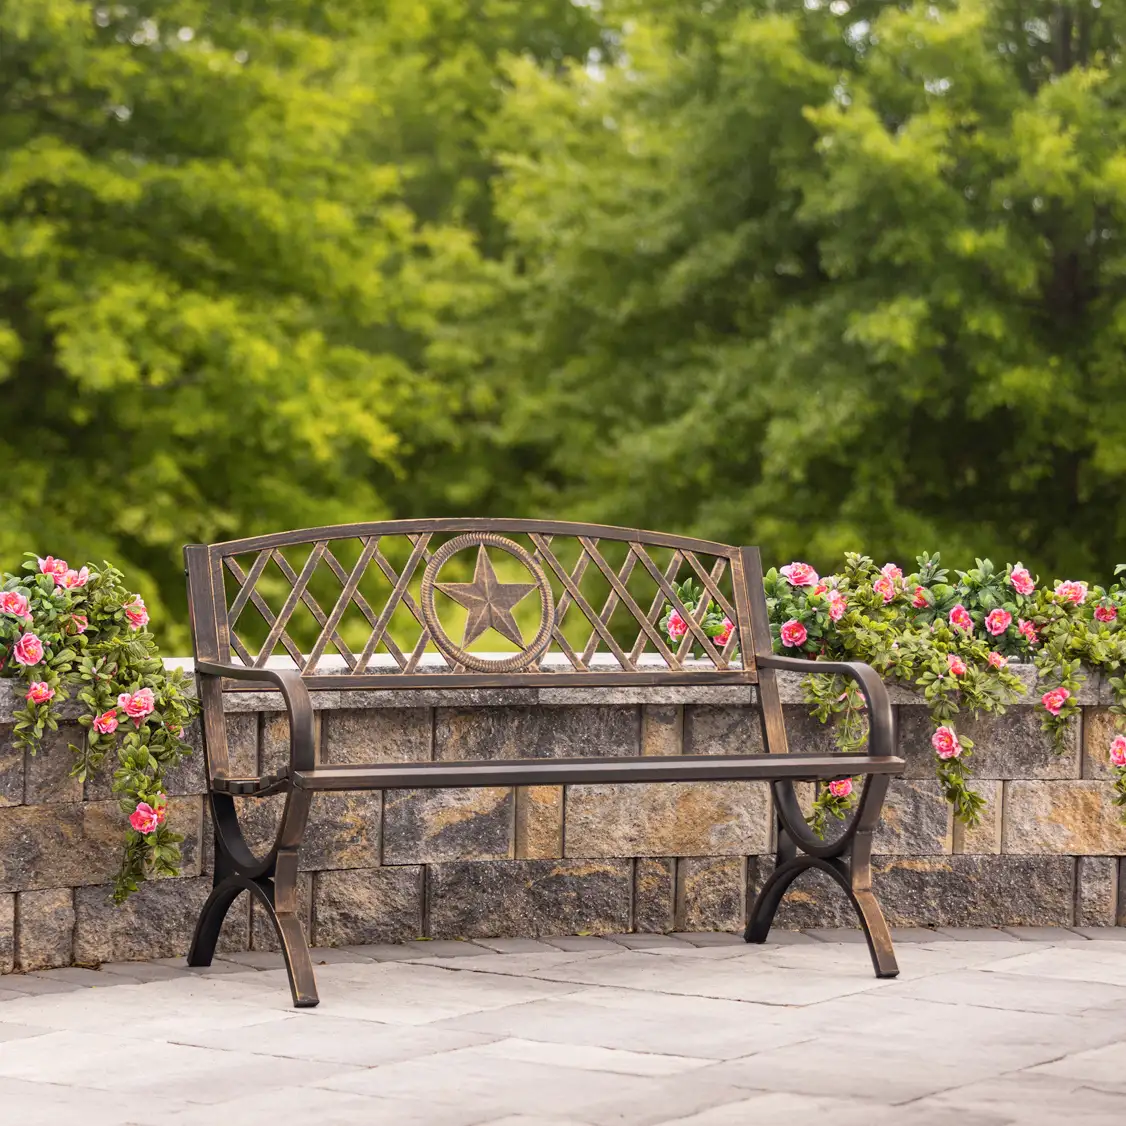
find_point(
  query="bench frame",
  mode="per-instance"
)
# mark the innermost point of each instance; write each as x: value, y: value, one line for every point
x: 747, y: 658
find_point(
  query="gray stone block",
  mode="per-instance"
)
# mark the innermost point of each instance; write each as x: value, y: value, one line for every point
x: 984, y: 838
x: 654, y: 894
x: 48, y: 779
x: 717, y: 730
x: 367, y: 735
x: 425, y: 826
x: 1096, y: 902
x: 367, y: 905
x: 46, y: 930
x: 916, y: 819
x: 542, y: 732
x: 11, y: 768
x: 263, y: 933
x: 7, y: 933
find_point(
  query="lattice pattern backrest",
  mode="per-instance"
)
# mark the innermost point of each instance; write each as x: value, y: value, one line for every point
x: 416, y: 598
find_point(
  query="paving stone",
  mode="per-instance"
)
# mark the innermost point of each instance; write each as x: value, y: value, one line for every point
x: 1043, y: 934
x: 709, y: 938
x: 974, y: 934
x: 648, y: 941
x: 515, y: 945
x: 1102, y: 934
x: 653, y: 894
x: 429, y: 825
x: 1076, y: 818
x: 579, y: 942
x: 711, y: 893
x: 335, y: 955
x: 539, y: 822
x: 142, y: 971
x: 30, y: 984
x: 917, y: 934
x: 46, y: 930
x: 80, y: 975
x: 445, y: 948
x: 258, y: 959
x: 367, y: 905
x: 539, y: 732
x: 835, y: 934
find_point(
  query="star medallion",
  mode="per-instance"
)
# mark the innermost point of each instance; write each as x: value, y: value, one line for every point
x: 489, y: 602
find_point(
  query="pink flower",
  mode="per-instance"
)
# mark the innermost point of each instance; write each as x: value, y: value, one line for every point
x: 996, y: 661
x: 837, y: 605
x: 39, y: 692
x: 920, y: 599
x: 1106, y: 613
x: 1118, y: 750
x: 106, y: 723
x: 724, y: 634
x: 960, y: 617
x: 139, y: 617
x: 28, y: 650
x: 891, y: 571
x: 677, y: 626
x: 841, y: 788
x: 793, y: 633
x: 884, y: 587
x: 137, y: 705
x: 1021, y: 581
x: 799, y: 574
x: 957, y: 665
x: 1053, y: 701
x: 1028, y: 631
x: 56, y: 568
x: 73, y: 579
x: 144, y: 818
x: 79, y: 623
x: 1071, y: 591
x: 998, y: 621
x: 945, y: 743
x: 820, y: 588
x: 16, y: 604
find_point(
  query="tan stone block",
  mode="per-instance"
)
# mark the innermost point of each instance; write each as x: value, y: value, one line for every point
x: 46, y: 931
x: 263, y: 934
x: 662, y: 730
x: 11, y: 768
x: 273, y: 740
x: 1099, y: 729
x: 984, y: 838
x: 1096, y: 899
x: 378, y: 735
x: 916, y: 819
x: 429, y: 825
x: 367, y: 905
x: 1074, y: 817
x: 711, y: 893
x: 7, y: 933
x: 48, y: 777
x: 654, y: 895
x: 667, y: 819
x: 539, y: 822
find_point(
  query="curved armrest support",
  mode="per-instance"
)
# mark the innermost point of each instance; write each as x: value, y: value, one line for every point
x: 881, y: 721
x: 298, y: 703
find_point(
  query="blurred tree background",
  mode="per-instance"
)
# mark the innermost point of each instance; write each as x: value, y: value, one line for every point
x: 815, y: 275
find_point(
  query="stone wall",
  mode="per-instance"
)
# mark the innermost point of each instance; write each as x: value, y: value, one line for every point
x: 381, y: 867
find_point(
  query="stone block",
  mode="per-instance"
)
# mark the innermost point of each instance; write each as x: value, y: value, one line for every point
x: 1098, y: 731
x: 916, y: 819
x: 273, y: 740
x: 654, y: 895
x: 242, y: 744
x: 805, y: 733
x: 263, y: 935
x: 539, y: 822
x: 367, y: 905
x: 235, y: 934
x: 1096, y: 898
x: 662, y: 730
x: 189, y: 775
x: 984, y: 838
x: 47, y: 772
x: 714, y: 730
x: 7, y: 933
x: 378, y: 735
x: 1062, y: 817
x: 667, y: 819
x: 48, y: 846
x: 1005, y: 746
x: 543, y: 732
x: 11, y: 768
x: 428, y: 825
x: 46, y: 931
x: 480, y: 899
x: 711, y: 893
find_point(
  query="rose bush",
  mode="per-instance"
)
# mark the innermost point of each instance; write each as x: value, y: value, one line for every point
x: 80, y: 633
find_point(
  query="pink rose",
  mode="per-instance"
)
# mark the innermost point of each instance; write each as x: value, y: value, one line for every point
x: 137, y: 705
x: 998, y: 621
x: 885, y: 588
x: 28, y: 650
x: 16, y: 604
x: 957, y: 665
x: 960, y: 617
x: 1071, y: 591
x: 837, y: 605
x: 106, y: 723
x: 56, y: 568
x: 841, y: 788
x: 945, y: 743
x: 724, y: 634
x: 1053, y: 701
x: 1118, y: 750
x: 79, y: 623
x: 139, y: 616
x: 996, y: 661
x: 1028, y: 631
x: 1021, y: 581
x: 820, y: 588
x: 144, y: 818
x: 1106, y: 613
x: 920, y: 599
x: 73, y: 579
x: 891, y: 571
x: 677, y: 626
x: 799, y: 574
x: 793, y: 633
x: 39, y: 692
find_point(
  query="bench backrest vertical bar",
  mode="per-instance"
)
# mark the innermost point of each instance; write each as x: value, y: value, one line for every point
x: 770, y: 702
x: 204, y: 615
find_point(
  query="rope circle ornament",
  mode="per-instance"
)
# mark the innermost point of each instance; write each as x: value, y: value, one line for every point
x: 489, y: 603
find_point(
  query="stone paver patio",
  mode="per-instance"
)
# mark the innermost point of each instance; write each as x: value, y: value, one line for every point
x: 982, y: 1028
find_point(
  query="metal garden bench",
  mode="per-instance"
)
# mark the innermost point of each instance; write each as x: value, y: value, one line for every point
x: 603, y: 594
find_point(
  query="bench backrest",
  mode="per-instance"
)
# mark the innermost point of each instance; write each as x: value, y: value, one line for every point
x: 380, y: 605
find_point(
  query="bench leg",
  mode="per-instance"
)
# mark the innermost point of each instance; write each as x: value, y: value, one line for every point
x: 847, y: 860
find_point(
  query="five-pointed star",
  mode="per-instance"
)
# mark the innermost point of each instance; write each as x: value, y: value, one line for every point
x: 489, y: 602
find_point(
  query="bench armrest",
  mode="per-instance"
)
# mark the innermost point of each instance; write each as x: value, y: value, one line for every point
x: 298, y: 703
x: 881, y: 721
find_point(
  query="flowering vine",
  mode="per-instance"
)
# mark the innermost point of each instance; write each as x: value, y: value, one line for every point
x: 81, y: 633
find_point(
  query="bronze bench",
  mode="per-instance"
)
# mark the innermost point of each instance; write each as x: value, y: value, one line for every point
x: 383, y: 579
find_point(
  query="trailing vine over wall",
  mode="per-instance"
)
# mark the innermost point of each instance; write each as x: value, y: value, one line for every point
x: 81, y: 633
